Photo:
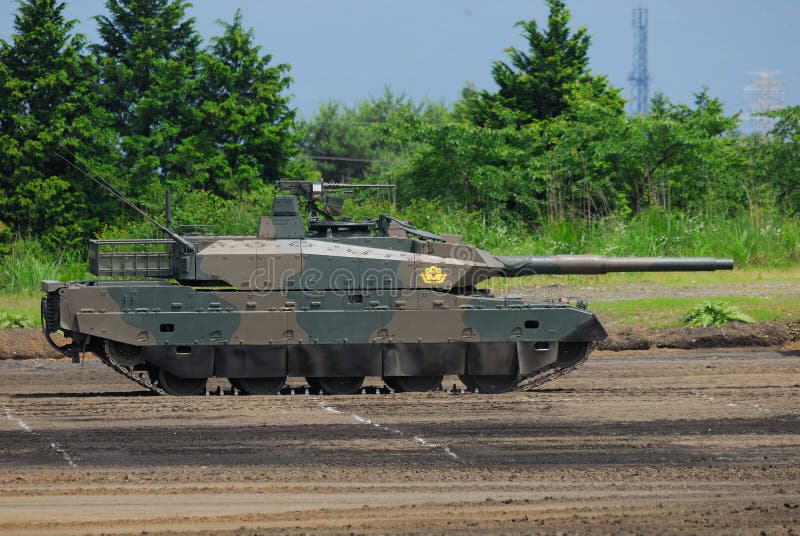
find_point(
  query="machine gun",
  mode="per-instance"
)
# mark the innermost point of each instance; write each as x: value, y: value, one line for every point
x: 319, y: 191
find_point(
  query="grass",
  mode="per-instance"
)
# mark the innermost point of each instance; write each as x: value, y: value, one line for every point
x: 28, y: 263
x: 668, y: 312
x: 760, y: 236
x: 25, y: 305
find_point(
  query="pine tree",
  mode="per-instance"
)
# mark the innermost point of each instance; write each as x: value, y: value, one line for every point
x: 149, y: 69
x: 47, y: 111
x: 537, y: 83
x: 247, y: 134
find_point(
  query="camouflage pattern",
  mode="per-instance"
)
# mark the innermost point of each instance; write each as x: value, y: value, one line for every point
x: 335, y: 303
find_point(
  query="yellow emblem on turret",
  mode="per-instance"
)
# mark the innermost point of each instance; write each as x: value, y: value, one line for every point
x: 433, y: 275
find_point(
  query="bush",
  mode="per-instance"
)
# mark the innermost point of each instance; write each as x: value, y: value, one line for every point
x: 715, y: 314
x: 15, y: 320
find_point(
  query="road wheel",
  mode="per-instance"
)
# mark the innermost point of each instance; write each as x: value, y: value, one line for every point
x: 413, y: 384
x: 175, y: 385
x: 336, y: 386
x: 258, y: 386
x: 490, y: 384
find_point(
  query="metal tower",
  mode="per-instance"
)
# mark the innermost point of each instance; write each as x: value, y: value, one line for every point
x: 763, y: 94
x: 639, y: 77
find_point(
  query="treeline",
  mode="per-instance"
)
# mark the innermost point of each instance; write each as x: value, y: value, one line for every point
x: 548, y: 160
x: 148, y: 107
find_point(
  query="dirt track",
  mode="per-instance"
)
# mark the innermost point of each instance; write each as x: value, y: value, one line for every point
x: 647, y: 442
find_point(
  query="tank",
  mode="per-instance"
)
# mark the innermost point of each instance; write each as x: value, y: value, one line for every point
x: 328, y: 300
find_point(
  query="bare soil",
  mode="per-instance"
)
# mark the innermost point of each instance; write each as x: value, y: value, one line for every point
x: 653, y: 442
x: 735, y: 334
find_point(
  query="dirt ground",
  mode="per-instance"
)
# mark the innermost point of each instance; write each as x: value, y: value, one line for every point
x: 655, y: 442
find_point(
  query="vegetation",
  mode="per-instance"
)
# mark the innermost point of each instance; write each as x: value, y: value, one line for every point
x: 23, y: 309
x: 14, y: 320
x: 669, y: 312
x: 715, y: 313
x: 47, y: 101
x: 148, y: 108
x: 347, y: 143
x: 539, y: 83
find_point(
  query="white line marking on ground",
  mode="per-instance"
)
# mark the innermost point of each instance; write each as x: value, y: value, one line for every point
x: 57, y: 446
x: 22, y: 424
x: 734, y: 405
x: 327, y: 408
x: 416, y: 439
x: 53, y: 444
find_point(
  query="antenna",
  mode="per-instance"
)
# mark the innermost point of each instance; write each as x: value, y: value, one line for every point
x: 116, y: 193
x: 639, y: 77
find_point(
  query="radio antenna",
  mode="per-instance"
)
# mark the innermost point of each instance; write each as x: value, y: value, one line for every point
x: 119, y: 195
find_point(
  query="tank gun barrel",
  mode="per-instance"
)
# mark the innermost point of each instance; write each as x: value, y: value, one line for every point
x: 595, y: 264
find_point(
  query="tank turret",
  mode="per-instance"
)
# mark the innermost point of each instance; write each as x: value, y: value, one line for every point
x: 330, y: 300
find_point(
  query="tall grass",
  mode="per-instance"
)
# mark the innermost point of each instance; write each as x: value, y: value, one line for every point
x: 764, y: 240
x: 28, y: 263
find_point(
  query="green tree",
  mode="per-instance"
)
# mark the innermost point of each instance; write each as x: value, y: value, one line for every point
x: 350, y: 143
x: 149, y: 70
x: 48, y: 111
x: 784, y: 152
x: 672, y: 153
x: 247, y: 132
x: 537, y: 82
x: 467, y: 166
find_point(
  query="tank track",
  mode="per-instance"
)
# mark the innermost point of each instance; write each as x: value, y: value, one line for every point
x: 526, y: 384
x: 529, y: 383
x: 139, y: 377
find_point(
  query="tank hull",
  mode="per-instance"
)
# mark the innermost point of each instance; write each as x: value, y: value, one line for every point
x: 191, y: 333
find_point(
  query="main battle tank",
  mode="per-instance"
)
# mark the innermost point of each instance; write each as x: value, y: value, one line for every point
x: 333, y: 301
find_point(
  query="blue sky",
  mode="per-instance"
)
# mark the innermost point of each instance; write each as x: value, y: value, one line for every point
x: 350, y: 49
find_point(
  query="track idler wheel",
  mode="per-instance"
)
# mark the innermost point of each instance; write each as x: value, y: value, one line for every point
x: 258, y: 386
x: 413, y: 384
x: 490, y: 384
x: 336, y: 386
x: 175, y: 385
x: 123, y: 354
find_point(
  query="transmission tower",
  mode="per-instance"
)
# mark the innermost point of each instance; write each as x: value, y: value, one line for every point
x: 764, y: 93
x: 639, y: 77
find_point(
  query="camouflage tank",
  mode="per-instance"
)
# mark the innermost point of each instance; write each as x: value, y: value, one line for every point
x: 334, y: 302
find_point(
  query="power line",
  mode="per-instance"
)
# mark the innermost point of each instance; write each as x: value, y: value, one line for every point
x: 346, y: 159
x: 764, y: 93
